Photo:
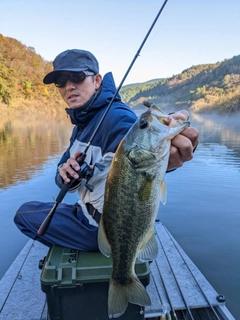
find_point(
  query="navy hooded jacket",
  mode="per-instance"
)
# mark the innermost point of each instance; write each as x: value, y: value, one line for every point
x: 116, y: 124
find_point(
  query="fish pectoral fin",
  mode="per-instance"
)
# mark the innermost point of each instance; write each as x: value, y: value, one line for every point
x: 150, y: 250
x: 119, y: 296
x: 163, y: 192
x: 145, y: 190
x: 103, y: 243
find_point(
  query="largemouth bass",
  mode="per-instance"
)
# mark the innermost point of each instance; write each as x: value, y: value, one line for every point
x: 134, y: 188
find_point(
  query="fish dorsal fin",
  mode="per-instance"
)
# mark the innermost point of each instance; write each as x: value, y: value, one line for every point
x: 103, y: 243
x: 150, y: 250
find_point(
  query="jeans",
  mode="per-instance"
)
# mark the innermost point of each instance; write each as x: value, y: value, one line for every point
x: 68, y: 228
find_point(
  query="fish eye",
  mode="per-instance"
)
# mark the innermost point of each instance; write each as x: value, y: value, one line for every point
x: 143, y: 124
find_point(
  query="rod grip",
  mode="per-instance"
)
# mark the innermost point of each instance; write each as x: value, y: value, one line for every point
x: 66, y: 186
x: 46, y: 222
x: 63, y: 192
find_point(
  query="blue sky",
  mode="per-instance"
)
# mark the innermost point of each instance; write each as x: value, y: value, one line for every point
x: 187, y: 33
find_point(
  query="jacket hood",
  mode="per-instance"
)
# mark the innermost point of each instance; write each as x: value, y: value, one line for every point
x: 82, y: 115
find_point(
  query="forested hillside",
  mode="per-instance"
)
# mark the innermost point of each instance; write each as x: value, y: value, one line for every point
x: 198, y: 88
x: 21, y: 86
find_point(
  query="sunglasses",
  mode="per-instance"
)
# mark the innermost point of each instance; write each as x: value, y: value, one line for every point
x: 75, y: 77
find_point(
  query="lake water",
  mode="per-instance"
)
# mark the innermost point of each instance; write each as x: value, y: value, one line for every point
x: 202, y: 211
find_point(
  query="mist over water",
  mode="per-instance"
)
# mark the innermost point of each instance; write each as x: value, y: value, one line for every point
x: 202, y: 210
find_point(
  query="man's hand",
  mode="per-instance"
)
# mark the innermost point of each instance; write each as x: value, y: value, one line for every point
x: 69, y: 168
x: 183, y: 145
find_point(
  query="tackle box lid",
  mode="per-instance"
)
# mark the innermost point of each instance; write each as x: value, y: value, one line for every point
x: 66, y: 267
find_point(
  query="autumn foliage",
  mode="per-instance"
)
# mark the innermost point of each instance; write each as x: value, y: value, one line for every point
x: 198, y: 88
x: 21, y: 74
x: 204, y: 87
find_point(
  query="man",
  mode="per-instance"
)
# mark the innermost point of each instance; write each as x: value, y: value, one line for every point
x: 87, y: 95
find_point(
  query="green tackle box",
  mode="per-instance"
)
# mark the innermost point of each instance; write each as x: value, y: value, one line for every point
x: 76, y: 285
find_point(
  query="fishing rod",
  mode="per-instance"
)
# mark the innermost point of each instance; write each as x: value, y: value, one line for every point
x: 85, y: 171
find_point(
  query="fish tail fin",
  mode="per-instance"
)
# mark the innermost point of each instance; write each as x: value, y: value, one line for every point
x: 120, y: 295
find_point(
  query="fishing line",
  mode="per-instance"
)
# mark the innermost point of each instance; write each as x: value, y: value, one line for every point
x: 203, y: 293
x: 124, y: 77
x: 221, y: 124
x: 153, y: 38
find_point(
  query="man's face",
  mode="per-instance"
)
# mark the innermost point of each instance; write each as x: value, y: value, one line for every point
x: 78, y: 94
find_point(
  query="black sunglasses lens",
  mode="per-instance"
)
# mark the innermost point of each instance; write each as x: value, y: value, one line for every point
x: 77, y: 77
x: 61, y: 81
x: 73, y: 77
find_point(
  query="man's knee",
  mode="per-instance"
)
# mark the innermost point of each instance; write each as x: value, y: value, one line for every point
x: 25, y: 213
x: 18, y: 217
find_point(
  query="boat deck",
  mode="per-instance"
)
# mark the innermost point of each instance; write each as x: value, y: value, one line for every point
x: 179, y: 287
x: 176, y: 286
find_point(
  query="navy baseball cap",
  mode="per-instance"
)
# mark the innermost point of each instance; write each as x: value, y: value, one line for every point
x: 72, y: 60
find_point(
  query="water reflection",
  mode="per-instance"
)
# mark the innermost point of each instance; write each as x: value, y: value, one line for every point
x: 202, y: 211
x: 29, y: 151
x: 26, y: 144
